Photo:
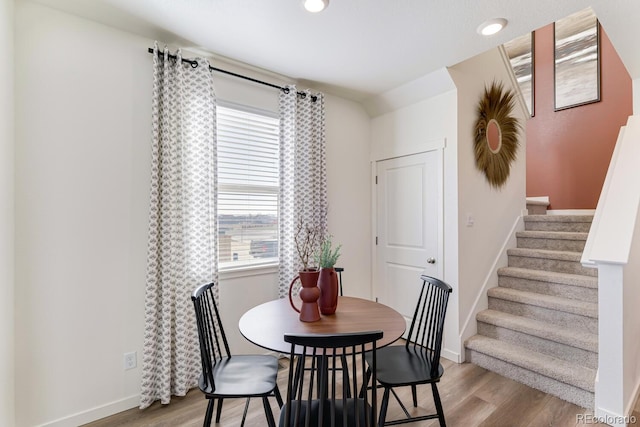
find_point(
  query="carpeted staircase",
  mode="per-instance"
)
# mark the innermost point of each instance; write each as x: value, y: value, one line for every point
x: 542, y: 322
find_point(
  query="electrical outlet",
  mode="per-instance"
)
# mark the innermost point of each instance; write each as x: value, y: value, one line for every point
x: 130, y: 360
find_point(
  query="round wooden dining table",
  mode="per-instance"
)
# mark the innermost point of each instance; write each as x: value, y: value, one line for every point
x: 266, y: 324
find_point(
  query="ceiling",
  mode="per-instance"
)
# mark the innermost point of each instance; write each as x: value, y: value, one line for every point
x: 355, y: 48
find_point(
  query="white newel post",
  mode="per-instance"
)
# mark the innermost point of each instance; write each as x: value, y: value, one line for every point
x: 613, y: 247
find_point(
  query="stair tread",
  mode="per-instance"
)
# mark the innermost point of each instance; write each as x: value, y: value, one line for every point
x: 558, y: 218
x: 549, y: 366
x: 582, y: 308
x: 568, y: 336
x: 518, y: 329
x: 546, y: 253
x: 559, y: 235
x: 550, y: 276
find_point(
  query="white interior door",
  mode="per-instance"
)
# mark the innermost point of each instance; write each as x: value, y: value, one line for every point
x: 409, y: 211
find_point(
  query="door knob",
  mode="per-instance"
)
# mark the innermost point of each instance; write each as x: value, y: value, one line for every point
x: 431, y: 260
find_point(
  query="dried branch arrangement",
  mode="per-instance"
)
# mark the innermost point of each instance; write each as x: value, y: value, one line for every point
x: 307, y: 238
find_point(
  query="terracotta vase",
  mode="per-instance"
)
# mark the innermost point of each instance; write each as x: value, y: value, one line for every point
x: 309, y: 295
x: 328, y: 284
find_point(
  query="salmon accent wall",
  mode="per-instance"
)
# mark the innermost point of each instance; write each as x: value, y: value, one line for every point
x: 568, y: 151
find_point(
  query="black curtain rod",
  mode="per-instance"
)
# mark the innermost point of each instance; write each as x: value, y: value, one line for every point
x: 194, y: 64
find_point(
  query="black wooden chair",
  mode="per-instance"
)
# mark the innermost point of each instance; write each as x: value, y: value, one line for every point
x: 321, y: 397
x: 418, y: 361
x: 296, y: 292
x: 223, y: 375
x: 339, y: 270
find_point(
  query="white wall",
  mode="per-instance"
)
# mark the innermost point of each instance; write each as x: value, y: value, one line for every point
x: 494, y: 211
x: 83, y: 111
x: 82, y: 188
x: 349, y: 191
x: 415, y: 128
x: 7, y: 361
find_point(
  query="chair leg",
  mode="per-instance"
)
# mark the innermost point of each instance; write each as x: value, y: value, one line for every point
x: 244, y: 414
x: 365, y: 382
x: 209, y: 413
x: 276, y: 392
x: 436, y: 400
x: 298, y: 373
x: 271, y: 422
x: 345, y: 373
x: 219, y: 410
x: 383, y: 407
x: 414, y: 394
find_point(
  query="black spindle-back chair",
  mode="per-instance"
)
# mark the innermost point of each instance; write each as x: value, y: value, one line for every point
x: 323, y: 395
x: 418, y: 361
x: 225, y: 375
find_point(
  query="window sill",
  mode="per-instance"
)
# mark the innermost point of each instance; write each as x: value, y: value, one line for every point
x: 254, y: 270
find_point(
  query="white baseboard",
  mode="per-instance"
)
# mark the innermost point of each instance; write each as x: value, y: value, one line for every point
x: 470, y: 327
x: 634, y: 397
x: 451, y: 355
x: 96, y: 413
x: 614, y: 420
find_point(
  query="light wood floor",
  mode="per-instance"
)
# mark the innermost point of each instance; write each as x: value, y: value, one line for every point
x: 471, y: 396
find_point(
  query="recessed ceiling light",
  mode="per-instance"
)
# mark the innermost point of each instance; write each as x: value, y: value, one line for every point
x: 492, y: 26
x: 315, y: 5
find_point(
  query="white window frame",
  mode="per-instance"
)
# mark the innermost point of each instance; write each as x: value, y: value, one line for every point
x: 238, y: 269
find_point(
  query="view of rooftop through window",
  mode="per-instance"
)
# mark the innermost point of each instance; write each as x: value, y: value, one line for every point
x: 248, y: 182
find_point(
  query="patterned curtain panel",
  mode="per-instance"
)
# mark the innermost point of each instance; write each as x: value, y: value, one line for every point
x: 182, y: 250
x: 303, y: 182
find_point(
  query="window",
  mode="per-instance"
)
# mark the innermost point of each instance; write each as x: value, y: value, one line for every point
x: 248, y: 182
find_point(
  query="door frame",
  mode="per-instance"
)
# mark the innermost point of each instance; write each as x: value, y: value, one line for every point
x: 435, y: 145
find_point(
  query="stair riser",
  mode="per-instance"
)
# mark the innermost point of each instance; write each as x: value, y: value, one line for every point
x: 559, y: 266
x: 570, y: 375
x: 534, y: 343
x: 579, y: 227
x: 536, y: 209
x: 551, y: 244
x: 549, y: 288
x: 560, y: 318
x: 578, y: 396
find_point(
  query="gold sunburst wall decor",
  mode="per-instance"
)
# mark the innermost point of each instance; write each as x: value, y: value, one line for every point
x: 496, y: 134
